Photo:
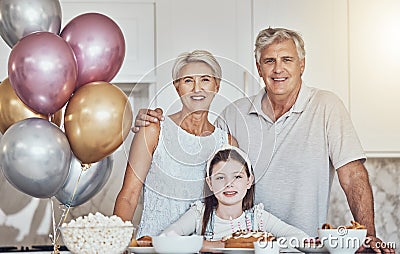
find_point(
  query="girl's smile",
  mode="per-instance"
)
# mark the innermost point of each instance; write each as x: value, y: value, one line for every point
x: 230, y: 193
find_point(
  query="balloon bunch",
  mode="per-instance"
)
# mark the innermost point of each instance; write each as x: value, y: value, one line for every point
x: 51, y: 71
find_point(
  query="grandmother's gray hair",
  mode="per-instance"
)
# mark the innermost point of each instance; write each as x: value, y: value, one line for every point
x: 270, y: 36
x: 194, y: 57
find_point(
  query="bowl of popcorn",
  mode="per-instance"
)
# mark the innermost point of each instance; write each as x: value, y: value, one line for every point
x: 343, y: 239
x: 97, y: 234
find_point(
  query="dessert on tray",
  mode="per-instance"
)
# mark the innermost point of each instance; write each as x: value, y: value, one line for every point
x: 246, y: 239
x: 354, y: 225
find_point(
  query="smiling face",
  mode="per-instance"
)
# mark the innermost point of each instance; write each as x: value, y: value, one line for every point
x: 196, y: 86
x: 281, y: 69
x: 229, y: 182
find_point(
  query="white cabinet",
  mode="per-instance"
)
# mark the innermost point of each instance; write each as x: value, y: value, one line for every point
x: 222, y: 27
x: 136, y: 20
x: 323, y: 25
x: 374, y: 38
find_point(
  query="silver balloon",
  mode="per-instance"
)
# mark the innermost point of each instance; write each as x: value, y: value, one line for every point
x: 19, y: 18
x: 35, y: 157
x: 91, y: 182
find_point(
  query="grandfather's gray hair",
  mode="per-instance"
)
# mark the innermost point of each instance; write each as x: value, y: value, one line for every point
x: 270, y: 36
x: 194, y: 57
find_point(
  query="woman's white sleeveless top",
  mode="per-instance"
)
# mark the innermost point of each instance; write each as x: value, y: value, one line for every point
x: 176, y: 175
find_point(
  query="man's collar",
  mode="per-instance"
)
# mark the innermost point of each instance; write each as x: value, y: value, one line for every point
x: 302, y: 99
x: 255, y: 106
x: 298, y: 107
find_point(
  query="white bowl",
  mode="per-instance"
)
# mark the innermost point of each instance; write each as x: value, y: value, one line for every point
x: 97, y: 240
x: 177, y: 244
x: 342, y: 240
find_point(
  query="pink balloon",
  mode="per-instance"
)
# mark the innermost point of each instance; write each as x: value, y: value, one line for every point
x: 42, y: 70
x: 98, y: 44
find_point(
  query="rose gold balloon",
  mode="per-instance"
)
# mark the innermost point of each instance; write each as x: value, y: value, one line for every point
x: 12, y: 109
x: 98, y: 44
x: 43, y: 71
x: 97, y: 120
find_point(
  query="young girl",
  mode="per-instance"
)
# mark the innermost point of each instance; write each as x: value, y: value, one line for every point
x: 229, y: 202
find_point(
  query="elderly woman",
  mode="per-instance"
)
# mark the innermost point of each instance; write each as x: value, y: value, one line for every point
x: 168, y: 159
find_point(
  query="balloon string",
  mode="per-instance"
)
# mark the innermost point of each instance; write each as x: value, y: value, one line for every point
x: 84, y: 167
x: 56, y: 230
x: 53, y: 222
x: 62, y: 220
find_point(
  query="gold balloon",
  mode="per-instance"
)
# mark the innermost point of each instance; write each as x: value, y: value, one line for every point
x: 12, y: 109
x: 98, y: 118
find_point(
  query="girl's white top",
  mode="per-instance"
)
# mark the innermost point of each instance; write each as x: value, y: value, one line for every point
x: 191, y: 223
x: 176, y: 175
